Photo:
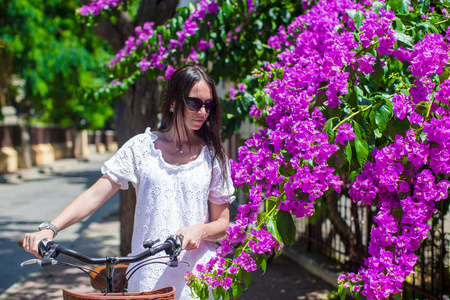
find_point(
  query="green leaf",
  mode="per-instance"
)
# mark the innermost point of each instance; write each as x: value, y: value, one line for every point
x: 404, y: 38
x: 396, y: 126
x: 378, y: 74
x: 428, y: 27
x: 261, y: 217
x: 216, y: 294
x: 376, y: 6
x: 377, y: 133
x: 204, y: 292
x: 271, y: 202
x: 401, y: 6
x: 352, y: 99
x: 424, y: 6
x: 246, y: 189
x: 352, y: 176
x: 328, y: 129
x: 285, y: 180
x: 395, y: 66
x: 445, y: 74
x: 225, y: 295
x: 247, y: 278
x: 286, y: 227
x: 277, y: 251
x: 383, y: 114
x: 349, y: 154
x: 261, y: 261
x: 272, y: 227
x: 240, y: 272
x: 258, y: 44
x: 285, y: 16
x: 342, y: 292
x: 236, y: 289
x: 398, y: 296
x: 360, y: 296
x: 339, y: 162
x: 286, y: 170
x: 361, y: 146
x: 263, y: 264
x: 356, y: 15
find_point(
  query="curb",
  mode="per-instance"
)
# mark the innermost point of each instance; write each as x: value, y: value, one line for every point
x: 313, y: 266
x: 60, y: 165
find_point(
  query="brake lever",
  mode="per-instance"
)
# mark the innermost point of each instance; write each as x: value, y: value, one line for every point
x: 185, y: 262
x: 50, y: 261
x: 30, y: 262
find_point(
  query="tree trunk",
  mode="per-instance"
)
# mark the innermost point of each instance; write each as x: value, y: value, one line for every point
x: 138, y: 108
x: 6, y: 60
x: 353, y: 247
x: 73, y: 137
x: 25, y: 137
x: 25, y: 144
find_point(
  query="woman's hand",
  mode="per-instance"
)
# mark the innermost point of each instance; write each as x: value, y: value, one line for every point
x: 216, y: 229
x: 31, y: 240
x: 192, y: 236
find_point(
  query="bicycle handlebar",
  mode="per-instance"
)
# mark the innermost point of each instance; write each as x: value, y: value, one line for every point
x: 50, y: 251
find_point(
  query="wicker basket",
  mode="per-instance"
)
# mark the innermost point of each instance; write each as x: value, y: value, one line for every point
x: 167, y: 293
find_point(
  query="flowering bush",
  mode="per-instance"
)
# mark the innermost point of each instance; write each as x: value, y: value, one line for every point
x: 352, y: 89
x: 349, y: 94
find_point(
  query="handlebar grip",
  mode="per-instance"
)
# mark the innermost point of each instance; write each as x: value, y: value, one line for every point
x: 44, y: 245
x: 176, y: 243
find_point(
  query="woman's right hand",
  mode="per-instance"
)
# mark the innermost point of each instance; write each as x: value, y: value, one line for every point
x: 31, y: 240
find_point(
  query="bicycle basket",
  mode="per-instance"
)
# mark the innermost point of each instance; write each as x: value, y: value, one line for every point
x: 167, y: 293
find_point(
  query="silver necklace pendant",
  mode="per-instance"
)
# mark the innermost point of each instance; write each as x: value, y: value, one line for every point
x: 178, y: 150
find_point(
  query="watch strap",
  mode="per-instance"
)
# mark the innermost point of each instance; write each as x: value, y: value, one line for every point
x: 48, y: 225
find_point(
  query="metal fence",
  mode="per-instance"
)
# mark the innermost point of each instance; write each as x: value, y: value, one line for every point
x: 431, y: 279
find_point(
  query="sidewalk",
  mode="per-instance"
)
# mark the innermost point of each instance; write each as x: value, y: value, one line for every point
x: 293, y: 275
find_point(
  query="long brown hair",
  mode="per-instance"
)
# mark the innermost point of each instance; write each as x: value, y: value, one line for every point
x: 176, y: 90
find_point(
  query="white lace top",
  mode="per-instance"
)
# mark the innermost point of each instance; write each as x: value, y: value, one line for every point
x: 169, y: 197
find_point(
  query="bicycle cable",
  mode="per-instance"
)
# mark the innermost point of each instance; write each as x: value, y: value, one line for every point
x: 138, y: 266
x: 86, y: 271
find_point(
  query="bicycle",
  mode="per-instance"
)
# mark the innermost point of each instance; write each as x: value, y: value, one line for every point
x: 103, y: 277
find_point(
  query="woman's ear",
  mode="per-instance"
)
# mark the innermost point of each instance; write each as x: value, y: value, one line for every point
x: 172, y: 107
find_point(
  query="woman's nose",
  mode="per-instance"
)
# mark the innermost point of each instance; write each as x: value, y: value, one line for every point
x: 202, y: 110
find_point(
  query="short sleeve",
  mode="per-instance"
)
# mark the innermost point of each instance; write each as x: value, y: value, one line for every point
x: 123, y: 166
x: 221, y: 192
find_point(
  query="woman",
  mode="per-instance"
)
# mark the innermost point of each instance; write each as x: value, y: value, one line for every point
x: 176, y: 171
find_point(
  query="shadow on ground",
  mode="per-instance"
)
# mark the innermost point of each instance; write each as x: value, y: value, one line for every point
x: 285, y: 279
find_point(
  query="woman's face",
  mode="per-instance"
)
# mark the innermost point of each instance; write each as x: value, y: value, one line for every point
x: 194, y: 119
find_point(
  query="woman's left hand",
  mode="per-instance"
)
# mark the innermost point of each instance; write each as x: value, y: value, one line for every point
x: 192, y: 236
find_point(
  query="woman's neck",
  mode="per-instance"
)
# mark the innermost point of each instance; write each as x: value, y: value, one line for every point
x: 180, y: 137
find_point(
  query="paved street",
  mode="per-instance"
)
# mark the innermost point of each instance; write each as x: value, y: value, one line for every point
x: 23, y: 206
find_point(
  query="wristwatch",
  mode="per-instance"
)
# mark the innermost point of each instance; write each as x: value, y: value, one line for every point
x: 48, y: 225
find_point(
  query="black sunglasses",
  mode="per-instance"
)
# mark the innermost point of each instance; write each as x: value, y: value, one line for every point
x: 195, y: 104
